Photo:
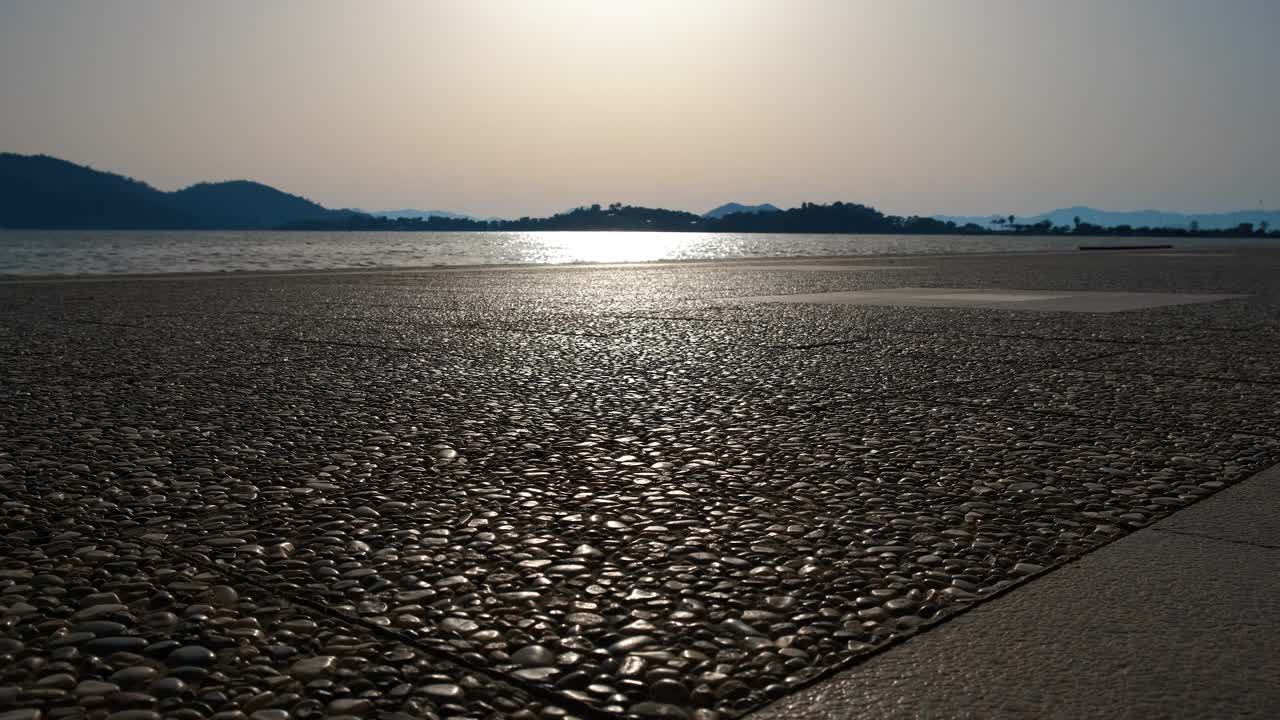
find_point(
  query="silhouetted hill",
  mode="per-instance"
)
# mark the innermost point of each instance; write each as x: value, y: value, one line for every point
x: 38, y: 191
x: 814, y: 218
x: 246, y: 204
x: 613, y: 217
x: 837, y: 217
x: 733, y: 207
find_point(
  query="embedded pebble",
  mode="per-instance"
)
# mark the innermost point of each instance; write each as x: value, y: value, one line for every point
x: 313, y: 667
x: 190, y: 655
x: 534, y: 656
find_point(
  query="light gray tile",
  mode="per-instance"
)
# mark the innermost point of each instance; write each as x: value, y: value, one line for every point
x: 1246, y: 513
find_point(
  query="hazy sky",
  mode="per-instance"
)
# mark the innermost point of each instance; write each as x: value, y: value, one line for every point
x: 531, y: 106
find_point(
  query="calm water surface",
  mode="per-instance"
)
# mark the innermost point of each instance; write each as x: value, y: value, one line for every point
x: 25, y: 252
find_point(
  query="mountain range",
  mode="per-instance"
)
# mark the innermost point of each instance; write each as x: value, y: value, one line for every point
x: 1064, y: 217
x: 38, y: 191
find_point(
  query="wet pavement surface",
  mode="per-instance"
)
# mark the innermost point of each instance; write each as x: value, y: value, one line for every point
x: 578, y: 492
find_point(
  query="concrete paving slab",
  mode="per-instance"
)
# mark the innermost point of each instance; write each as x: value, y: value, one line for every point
x: 1040, y: 300
x: 594, y: 482
x: 139, y: 626
x: 1180, y: 254
x: 1154, y: 625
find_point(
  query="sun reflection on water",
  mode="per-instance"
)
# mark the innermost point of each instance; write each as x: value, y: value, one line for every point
x: 611, y: 247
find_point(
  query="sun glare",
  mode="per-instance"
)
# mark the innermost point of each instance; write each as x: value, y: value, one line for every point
x: 596, y: 12
x: 611, y: 247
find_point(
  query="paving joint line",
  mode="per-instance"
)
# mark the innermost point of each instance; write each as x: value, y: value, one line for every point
x: 1251, y: 328
x: 362, y: 320
x: 1207, y: 378
x: 892, y: 391
x: 163, y: 335
x: 340, y: 343
x: 671, y: 318
x: 159, y: 374
x: 814, y: 346
x: 1185, y: 427
x: 1206, y: 536
x: 1045, y: 338
x: 891, y: 394
x: 565, y: 333
x: 476, y: 325
x: 1082, y: 361
x: 351, y: 622
x: 1011, y: 372
x: 405, y: 306
x: 105, y: 323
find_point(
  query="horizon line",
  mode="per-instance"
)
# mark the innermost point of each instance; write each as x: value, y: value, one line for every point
x: 570, y: 208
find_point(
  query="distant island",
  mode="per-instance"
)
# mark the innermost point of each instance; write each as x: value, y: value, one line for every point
x: 838, y: 217
x: 1070, y: 216
x: 43, y: 192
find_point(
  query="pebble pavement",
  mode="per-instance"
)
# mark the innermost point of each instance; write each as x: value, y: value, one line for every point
x: 577, y: 492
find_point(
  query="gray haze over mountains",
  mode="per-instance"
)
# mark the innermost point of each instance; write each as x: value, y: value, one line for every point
x: 1133, y: 218
x: 408, y: 214
x: 733, y: 207
x: 1062, y: 216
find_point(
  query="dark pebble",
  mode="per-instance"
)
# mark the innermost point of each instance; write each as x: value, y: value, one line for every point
x: 191, y: 655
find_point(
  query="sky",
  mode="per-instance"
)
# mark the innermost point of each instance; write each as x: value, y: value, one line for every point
x: 515, y: 107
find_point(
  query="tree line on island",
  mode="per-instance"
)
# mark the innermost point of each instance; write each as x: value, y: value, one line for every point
x: 38, y: 191
x: 838, y: 217
x: 808, y: 218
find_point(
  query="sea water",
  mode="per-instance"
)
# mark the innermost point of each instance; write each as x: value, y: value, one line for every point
x: 71, y: 252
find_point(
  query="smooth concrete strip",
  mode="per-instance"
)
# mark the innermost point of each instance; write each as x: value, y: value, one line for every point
x: 1179, y: 254
x: 1158, y: 624
x: 994, y: 299
x: 806, y: 267
x: 1246, y: 513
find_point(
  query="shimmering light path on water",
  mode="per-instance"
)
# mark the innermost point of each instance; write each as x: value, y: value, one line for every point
x: 115, y: 252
